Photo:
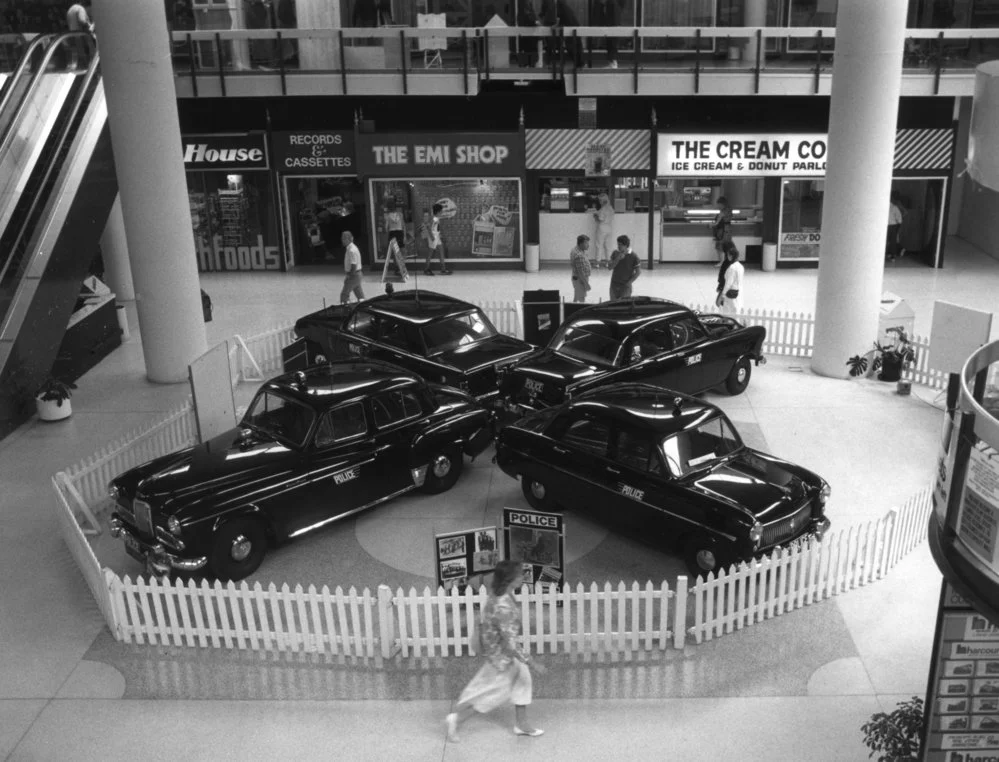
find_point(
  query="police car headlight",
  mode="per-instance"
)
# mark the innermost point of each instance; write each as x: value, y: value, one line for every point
x: 173, y: 524
x: 824, y: 493
x: 114, y: 492
x: 756, y: 533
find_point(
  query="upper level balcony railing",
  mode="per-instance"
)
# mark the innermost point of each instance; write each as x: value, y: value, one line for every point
x: 421, y: 60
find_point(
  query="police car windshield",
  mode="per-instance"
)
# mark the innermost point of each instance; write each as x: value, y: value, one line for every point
x: 282, y: 418
x: 588, y: 341
x: 700, y: 447
x: 456, y: 332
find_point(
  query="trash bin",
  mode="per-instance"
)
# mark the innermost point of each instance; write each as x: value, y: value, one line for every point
x: 532, y: 257
x: 542, y: 315
x: 122, y: 321
x: 769, y: 257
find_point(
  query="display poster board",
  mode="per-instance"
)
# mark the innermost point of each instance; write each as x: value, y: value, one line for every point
x: 955, y: 333
x: 978, y: 514
x: 537, y: 540
x: 432, y: 21
x: 945, y: 464
x: 598, y: 160
x: 803, y: 244
x: 962, y: 711
x: 211, y: 388
x: 463, y: 556
x: 482, y: 239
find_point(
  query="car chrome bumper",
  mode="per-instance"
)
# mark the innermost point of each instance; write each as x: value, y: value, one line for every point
x: 154, y: 555
x: 816, y: 531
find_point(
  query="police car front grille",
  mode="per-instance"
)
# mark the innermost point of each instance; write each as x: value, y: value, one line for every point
x: 787, y: 528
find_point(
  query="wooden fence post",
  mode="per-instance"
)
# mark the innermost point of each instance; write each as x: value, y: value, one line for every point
x: 679, y: 611
x: 386, y: 623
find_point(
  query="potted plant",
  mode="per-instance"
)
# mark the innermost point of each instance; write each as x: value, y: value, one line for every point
x: 895, y: 736
x: 890, y: 358
x: 52, y: 399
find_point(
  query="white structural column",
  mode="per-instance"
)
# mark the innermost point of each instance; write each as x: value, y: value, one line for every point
x: 145, y: 134
x: 756, y: 15
x: 114, y: 250
x: 867, y: 76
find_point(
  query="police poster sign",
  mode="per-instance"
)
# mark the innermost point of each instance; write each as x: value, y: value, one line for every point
x: 464, y: 557
x: 537, y: 540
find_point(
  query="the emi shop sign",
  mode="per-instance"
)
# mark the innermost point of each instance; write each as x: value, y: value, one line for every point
x: 441, y: 154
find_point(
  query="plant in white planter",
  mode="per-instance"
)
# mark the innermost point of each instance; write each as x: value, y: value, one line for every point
x: 52, y: 399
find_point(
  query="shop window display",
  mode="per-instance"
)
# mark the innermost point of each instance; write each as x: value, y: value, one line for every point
x: 481, y: 217
x: 319, y: 211
x: 801, y: 219
x: 233, y: 221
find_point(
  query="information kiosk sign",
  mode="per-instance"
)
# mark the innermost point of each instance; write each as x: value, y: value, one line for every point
x: 537, y: 540
x: 463, y: 555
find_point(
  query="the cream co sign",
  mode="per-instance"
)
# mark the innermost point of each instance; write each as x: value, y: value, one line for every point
x: 742, y: 155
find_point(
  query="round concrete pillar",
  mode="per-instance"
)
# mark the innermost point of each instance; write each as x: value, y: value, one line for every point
x: 114, y: 250
x: 145, y: 133
x: 867, y: 77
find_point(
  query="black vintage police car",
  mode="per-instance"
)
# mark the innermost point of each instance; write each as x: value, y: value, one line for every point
x: 642, y: 339
x: 666, y: 466
x: 313, y: 447
x: 442, y: 338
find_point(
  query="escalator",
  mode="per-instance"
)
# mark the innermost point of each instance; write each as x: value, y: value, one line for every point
x: 55, y: 141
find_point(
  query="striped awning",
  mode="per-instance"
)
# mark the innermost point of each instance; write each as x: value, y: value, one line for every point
x: 630, y: 150
x: 924, y: 149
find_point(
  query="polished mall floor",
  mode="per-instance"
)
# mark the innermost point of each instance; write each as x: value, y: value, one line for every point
x: 797, y: 687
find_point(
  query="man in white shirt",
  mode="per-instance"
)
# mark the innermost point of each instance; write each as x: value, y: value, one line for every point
x: 78, y: 20
x: 603, y: 247
x: 351, y: 268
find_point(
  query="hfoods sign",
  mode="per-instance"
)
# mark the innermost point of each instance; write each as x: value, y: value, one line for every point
x: 225, y: 152
x: 489, y: 154
x: 314, y: 152
x: 735, y: 155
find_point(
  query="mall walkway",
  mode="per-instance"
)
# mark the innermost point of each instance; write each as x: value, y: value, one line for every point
x: 795, y: 688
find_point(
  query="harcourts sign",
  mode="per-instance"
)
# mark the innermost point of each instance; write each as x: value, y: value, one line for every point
x: 736, y: 155
x: 225, y: 152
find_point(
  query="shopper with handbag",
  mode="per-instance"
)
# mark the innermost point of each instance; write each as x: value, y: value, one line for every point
x: 732, y: 289
x: 505, y: 678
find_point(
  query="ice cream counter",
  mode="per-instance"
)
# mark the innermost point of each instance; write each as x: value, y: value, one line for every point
x: 558, y: 231
x: 693, y: 241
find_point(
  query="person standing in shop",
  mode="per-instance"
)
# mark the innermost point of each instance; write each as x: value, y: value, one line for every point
x: 722, y: 229
x: 505, y: 678
x: 732, y: 287
x: 894, y: 226
x: 605, y: 13
x: 435, y: 244
x: 352, y: 269
x: 394, y: 223
x: 580, y: 268
x: 625, y: 269
x: 605, y: 231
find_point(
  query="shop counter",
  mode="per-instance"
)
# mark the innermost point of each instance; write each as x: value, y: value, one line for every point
x: 558, y: 231
x: 693, y: 241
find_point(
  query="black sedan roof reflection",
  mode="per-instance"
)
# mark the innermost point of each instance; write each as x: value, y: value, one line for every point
x: 324, y: 385
x: 643, y: 406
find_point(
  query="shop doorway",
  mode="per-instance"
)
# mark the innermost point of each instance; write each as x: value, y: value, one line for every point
x: 921, y: 200
x: 317, y: 212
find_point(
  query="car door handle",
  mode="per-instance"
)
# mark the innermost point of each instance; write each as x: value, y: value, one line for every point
x: 613, y: 470
x: 560, y: 450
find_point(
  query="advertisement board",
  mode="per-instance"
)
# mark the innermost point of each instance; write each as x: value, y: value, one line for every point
x: 447, y: 154
x: 978, y: 516
x: 463, y: 557
x: 741, y: 155
x: 537, y: 540
x: 800, y: 245
x: 962, y: 712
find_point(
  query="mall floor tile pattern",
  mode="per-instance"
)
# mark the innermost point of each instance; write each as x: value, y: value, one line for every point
x: 794, y: 688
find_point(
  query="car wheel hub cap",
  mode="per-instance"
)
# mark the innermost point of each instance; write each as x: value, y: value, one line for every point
x: 706, y: 560
x: 741, y: 374
x: 241, y: 547
x: 538, y: 490
x: 442, y: 466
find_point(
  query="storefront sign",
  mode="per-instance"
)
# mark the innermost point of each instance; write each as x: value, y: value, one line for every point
x: 800, y: 245
x: 735, y: 155
x: 226, y: 258
x: 224, y: 152
x: 481, y: 154
x: 315, y: 152
x: 537, y: 540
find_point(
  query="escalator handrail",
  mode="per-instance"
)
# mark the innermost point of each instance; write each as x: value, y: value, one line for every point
x: 35, y: 82
x: 23, y: 64
x: 82, y: 100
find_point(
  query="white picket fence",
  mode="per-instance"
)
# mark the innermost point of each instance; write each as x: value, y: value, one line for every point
x: 620, y: 618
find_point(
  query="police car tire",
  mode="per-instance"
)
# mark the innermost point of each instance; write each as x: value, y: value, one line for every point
x: 223, y: 565
x: 738, y: 377
x: 537, y: 503
x: 435, y: 484
x: 696, y: 550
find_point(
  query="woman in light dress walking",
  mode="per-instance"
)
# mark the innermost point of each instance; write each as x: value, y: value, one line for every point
x: 505, y: 678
